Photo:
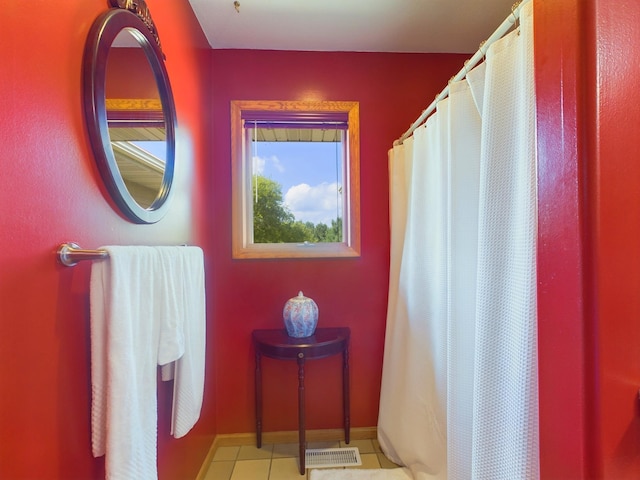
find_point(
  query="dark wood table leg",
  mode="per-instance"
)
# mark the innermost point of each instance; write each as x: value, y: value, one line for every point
x: 258, y: 400
x: 345, y: 395
x: 301, y: 412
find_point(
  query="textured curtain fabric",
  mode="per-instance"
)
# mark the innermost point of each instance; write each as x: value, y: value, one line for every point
x: 464, y: 181
x: 505, y: 428
x: 459, y: 382
x: 415, y: 378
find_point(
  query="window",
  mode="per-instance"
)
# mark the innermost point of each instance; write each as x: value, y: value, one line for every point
x: 296, y: 174
x: 138, y: 140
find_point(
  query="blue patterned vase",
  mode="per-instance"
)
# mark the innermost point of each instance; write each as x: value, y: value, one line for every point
x: 300, y: 316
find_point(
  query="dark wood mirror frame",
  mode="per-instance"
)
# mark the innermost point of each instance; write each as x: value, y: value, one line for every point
x: 99, y: 41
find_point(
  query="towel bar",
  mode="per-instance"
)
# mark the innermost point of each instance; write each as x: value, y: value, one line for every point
x: 69, y: 254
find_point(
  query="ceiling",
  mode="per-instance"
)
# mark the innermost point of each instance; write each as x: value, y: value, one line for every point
x: 421, y: 26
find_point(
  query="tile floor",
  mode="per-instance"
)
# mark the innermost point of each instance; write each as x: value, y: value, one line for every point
x: 280, y: 461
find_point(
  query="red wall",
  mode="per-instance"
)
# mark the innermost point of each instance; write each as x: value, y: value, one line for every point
x: 613, y: 173
x: 51, y: 192
x: 562, y: 333
x: 119, y: 84
x: 392, y: 89
x: 589, y: 225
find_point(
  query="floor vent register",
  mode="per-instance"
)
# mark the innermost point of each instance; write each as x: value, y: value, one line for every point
x: 332, y: 457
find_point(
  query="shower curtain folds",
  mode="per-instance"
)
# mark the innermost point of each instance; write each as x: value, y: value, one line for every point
x: 459, y: 383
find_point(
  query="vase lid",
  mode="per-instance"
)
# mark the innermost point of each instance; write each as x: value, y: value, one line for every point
x: 299, y: 298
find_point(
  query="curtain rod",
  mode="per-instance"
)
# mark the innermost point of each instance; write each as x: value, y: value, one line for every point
x: 468, y: 65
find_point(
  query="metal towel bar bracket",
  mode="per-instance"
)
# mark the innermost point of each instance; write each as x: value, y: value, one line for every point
x: 69, y: 254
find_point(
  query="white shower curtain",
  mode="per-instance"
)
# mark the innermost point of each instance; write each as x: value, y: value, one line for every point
x: 459, y: 383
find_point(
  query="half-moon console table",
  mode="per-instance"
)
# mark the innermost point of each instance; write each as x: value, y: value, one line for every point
x: 324, y: 343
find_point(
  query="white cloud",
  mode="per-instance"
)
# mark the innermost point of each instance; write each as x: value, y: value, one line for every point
x: 313, y: 204
x: 259, y: 164
x: 276, y: 163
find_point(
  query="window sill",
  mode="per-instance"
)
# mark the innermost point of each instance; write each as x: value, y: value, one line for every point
x: 296, y: 250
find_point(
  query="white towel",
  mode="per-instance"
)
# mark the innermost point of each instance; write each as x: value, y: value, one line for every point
x: 361, y: 474
x: 138, y: 320
x: 188, y: 370
x: 124, y: 339
x: 169, y: 272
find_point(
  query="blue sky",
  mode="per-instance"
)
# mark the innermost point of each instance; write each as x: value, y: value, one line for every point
x: 307, y: 173
x: 154, y: 147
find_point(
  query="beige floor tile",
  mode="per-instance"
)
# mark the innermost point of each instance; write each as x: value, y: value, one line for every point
x: 335, y: 444
x: 280, y: 461
x: 251, y: 470
x: 364, y: 446
x: 376, y: 445
x: 385, y: 462
x: 251, y: 452
x: 369, y: 460
x: 226, y: 453
x: 281, y: 450
x: 220, y: 470
x: 285, y: 469
x: 326, y: 468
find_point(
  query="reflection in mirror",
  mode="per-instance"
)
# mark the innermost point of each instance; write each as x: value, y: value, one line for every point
x: 130, y: 114
x: 135, y: 119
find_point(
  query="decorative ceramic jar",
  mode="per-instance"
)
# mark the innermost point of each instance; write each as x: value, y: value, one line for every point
x: 300, y: 316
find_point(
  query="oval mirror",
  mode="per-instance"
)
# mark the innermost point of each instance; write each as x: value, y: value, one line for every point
x: 130, y: 114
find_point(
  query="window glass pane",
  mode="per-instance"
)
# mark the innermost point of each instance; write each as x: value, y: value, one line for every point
x: 297, y: 185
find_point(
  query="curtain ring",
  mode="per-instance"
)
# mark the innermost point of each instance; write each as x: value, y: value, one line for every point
x: 482, y: 50
x: 516, y: 19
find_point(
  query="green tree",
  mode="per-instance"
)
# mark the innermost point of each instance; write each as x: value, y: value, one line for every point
x: 273, y: 222
x: 335, y: 232
x: 321, y: 231
x: 297, y: 232
x: 269, y: 212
